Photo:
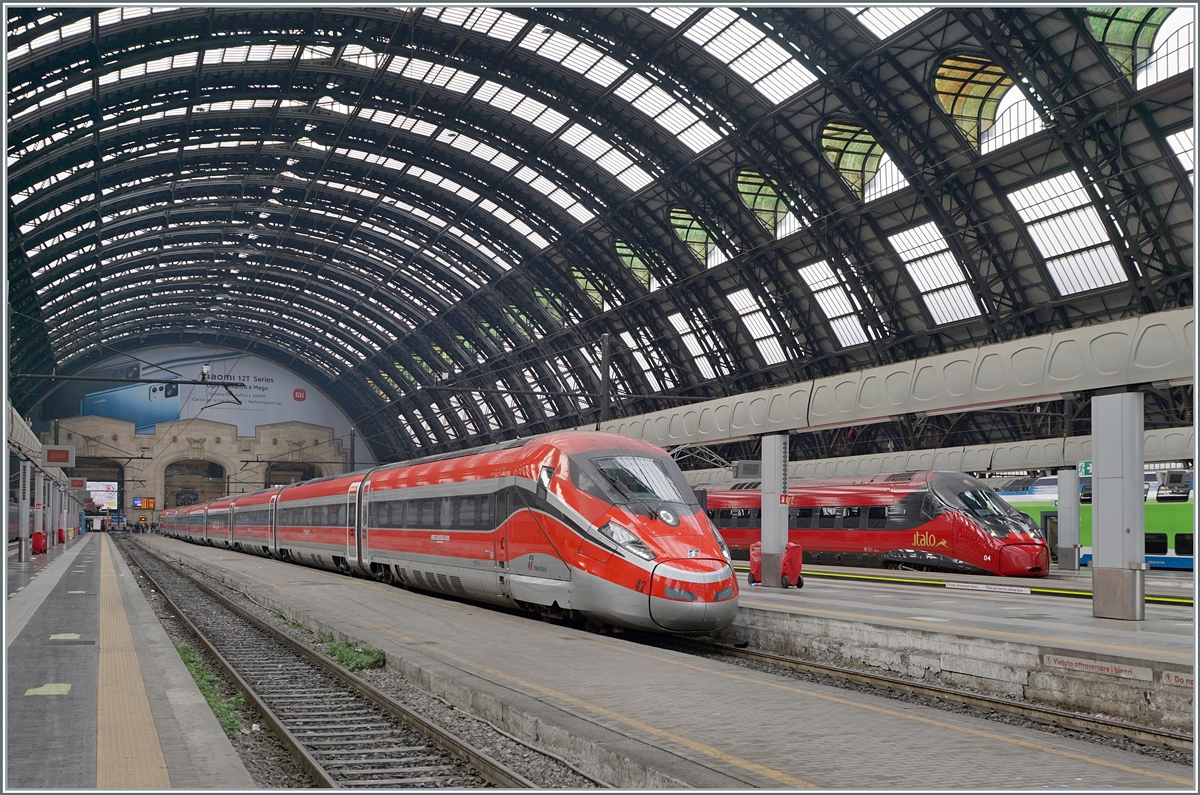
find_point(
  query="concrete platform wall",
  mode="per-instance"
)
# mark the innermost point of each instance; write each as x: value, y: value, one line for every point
x: 998, y: 668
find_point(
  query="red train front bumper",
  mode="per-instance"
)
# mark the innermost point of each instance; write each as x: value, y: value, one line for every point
x: 1024, y: 560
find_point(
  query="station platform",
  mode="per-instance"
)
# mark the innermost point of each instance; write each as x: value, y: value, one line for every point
x: 1168, y: 587
x: 97, y: 696
x: 637, y: 716
x: 1002, y: 636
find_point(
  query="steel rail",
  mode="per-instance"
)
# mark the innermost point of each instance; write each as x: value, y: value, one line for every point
x: 297, y: 749
x: 493, y: 771
x: 1050, y: 716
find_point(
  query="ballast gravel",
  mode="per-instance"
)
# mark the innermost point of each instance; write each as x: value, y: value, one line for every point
x: 545, y: 770
x: 266, y: 758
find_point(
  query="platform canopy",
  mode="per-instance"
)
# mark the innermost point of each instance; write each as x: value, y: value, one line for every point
x: 434, y: 214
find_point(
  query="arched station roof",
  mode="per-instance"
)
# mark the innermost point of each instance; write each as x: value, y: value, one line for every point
x: 435, y: 213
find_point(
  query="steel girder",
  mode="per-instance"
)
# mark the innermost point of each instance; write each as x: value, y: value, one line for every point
x: 269, y: 206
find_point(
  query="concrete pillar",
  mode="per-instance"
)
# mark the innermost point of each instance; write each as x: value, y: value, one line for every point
x: 24, y: 491
x: 774, y: 515
x: 55, y: 512
x: 1118, y: 507
x: 1068, y: 520
x: 39, y: 499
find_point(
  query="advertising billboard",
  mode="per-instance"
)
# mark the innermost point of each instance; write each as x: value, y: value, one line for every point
x: 267, y: 393
x: 103, y: 493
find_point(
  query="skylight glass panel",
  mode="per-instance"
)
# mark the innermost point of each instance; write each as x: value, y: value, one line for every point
x: 1174, y: 49
x: 442, y: 182
x: 691, y: 341
x: 55, y: 36
x: 637, y: 89
x: 1183, y: 144
x: 1016, y: 118
x: 563, y: 368
x: 433, y: 74
x: 488, y: 21
x: 415, y: 437
x: 750, y: 54
x: 1068, y: 231
x: 836, y: 302
x: 534, y: 386
x: 671, y: 16
x: 510, y: 400
x: 883, y: 21
x: 887, y: 179
x: 754, y: 317
x: 938, y: 276
x: 640, y: 357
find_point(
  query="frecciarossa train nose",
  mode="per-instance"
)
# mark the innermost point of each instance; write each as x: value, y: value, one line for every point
x: 693, y: 595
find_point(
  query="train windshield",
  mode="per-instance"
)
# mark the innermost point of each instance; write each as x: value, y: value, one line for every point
x: 637, y: 478
x: 984, y: 503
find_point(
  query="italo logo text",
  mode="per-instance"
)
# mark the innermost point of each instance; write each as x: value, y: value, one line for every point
x: 927, y: 540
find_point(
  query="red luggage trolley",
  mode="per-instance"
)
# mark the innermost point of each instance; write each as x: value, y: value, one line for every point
x: 793, y: 564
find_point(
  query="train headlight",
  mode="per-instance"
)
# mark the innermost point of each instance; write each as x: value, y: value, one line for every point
x: 626, y: 538
x: 678, y: 594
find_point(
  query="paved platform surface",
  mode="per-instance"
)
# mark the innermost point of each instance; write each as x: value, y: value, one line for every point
x: 97, y: 696
x: 602, y: 700
x: 1167, y: 585
x: 1166, y: 636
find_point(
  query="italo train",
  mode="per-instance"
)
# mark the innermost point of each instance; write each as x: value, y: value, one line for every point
x: 570, y: 524
x: 927, y: 521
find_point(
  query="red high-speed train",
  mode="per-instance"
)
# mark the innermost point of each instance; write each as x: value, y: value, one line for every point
x: 930, y: 521
x: 574, y: 523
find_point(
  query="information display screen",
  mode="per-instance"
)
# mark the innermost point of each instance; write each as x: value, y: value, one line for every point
x: 143, y: 502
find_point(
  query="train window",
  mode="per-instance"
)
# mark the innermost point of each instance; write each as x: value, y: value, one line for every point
x: 639, y: 478
x: 487, y: 511
x: 466, y: 513
x: 724, y: 517
x: 827, y: 517
x: 930, y: 507
x: 851, y: 518
x: 756, y: 517
x: 800, y: 518
x: 1156, y: 543
x: 877, y: 517
x: 446, y: 513
x: 1183, y: 544
x: 427, y: 517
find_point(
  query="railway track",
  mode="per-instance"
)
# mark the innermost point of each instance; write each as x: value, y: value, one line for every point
x: 344, y: 732
x: 1047, y: 716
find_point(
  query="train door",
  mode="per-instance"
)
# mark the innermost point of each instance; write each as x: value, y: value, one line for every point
x: 352, y: 540
x: 204, y: 526
x: 500, y: 515
x: 272, y: 526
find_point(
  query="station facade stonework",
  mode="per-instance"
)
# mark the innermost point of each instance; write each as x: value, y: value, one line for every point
x: 154, y: 465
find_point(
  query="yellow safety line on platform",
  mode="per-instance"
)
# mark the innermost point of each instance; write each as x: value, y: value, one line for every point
x: 993, y: 633
x: 987, y: 735
x: 128, y: 754
x: 1033, y: 589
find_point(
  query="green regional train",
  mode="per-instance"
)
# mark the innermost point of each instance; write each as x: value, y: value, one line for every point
x: 1170, y: 514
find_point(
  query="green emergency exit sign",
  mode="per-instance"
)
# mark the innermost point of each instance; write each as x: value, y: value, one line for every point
x: 1083, y: 468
